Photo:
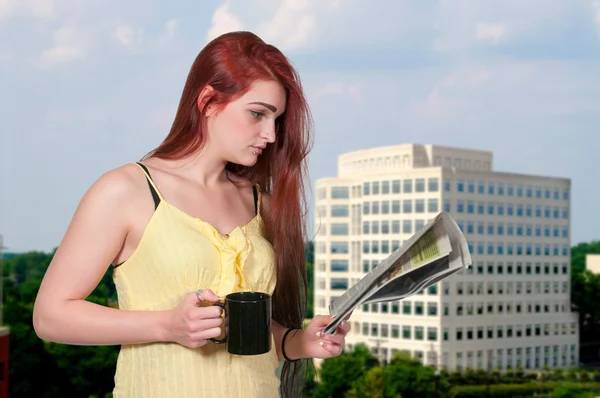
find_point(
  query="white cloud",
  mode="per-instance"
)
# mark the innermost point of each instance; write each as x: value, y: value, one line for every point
x: 41, y: 9
x: 127, y: 36
x: 223, y: 21
x: 293, y: 26
x: 67, y: 47
x: 169, y: 32
x: 490, y: 32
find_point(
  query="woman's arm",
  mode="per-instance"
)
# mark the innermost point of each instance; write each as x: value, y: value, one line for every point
x: 93, y: 239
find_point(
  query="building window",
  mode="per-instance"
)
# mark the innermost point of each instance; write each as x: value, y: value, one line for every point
x: 375, y: 207
x: 432, y: 290
x: 395, y: 226
x: 406, y: 307
x: 432, y: 205
x: 447, y: 185
x: 339, y: 283
x: 385, y: 187
x: 396, y: 207
x: 432, y: 334
x: 419, y: 333
x: 367, y: 208
x: 340, y: 193
x: 375, y: 187
x: 366, y: 188
x: 339, y: 229
x: 406, y: 332
x: 339, y: 211
x: 432, y: 309
x: 407, y: 226
x: 385, y: 227
x: 339, y: 247
x: 419, y: 308
x: 407, y: 206
x: 385, y: 207
x: 433, y: 185
x: 339, y: 265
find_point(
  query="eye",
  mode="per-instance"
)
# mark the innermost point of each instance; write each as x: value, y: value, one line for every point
x: 257, y: 114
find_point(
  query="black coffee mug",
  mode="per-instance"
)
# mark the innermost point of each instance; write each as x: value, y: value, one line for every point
x: 248, y: 323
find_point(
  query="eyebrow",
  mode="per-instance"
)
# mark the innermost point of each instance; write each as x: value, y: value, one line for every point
x: 268, y: 106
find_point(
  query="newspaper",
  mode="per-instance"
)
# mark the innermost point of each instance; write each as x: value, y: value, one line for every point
x: 436, y: 251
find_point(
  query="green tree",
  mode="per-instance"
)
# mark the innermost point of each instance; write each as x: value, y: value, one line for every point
x: 338, y: 373
x: 74, y: 370
x: 370, y: 385
x: 585, y: 294
x: 310, y: 277
x: 408, y: 377
x: 310, y: 381
x: 571, y: 390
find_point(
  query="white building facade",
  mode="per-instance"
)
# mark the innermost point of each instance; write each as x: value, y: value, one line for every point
x: 511, y: 308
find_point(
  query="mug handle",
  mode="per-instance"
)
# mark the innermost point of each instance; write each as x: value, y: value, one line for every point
x: 224, y: 339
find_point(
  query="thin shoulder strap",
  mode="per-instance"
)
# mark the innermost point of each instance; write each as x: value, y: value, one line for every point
x: 156, y: 196
x: 257, y: 194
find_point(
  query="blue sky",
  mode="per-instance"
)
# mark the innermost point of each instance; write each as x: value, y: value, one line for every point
x: 87, y: 85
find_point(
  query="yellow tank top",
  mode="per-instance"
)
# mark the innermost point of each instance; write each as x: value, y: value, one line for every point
x: 177, y: 255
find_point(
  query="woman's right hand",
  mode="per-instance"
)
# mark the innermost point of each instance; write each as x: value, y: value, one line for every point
x: 191, y: 325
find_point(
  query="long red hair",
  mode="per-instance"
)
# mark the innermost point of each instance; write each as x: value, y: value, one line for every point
x: 230, y: 64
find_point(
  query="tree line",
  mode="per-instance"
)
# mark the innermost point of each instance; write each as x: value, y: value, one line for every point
x: 358, y: 374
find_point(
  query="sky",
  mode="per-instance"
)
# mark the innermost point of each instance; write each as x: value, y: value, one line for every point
x: 88, y: 85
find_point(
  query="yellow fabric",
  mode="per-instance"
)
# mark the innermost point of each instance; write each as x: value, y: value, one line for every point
x: 177, y: 255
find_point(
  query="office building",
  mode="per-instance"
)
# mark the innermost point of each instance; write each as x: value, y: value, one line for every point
x: 511, y: 308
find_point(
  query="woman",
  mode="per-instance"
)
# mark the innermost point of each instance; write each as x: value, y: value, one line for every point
x: 215, y: 209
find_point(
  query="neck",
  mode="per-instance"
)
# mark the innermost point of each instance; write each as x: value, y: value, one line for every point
x: 204, y: 167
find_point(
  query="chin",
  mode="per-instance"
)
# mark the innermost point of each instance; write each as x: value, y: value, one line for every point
x: 248, y: 162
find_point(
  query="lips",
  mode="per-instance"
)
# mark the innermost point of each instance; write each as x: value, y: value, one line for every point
x: 257, y: 149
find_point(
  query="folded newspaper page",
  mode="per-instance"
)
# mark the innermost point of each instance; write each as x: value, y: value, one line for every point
x: 435, y: 252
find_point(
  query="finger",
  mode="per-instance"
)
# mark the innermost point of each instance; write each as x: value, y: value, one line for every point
x: 209, y: 323
x: 206, y: 334
x: 207, y: 295
x: 343, y: 327
x: 335, y: 349
x: 210, y: 312
x: 335, y: 339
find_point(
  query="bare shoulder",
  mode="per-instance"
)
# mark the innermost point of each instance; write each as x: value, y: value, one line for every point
x: 115, y: 195
x: 116, y: 184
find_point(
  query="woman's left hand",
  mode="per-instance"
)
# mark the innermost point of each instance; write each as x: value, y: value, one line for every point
x: 315, y: 344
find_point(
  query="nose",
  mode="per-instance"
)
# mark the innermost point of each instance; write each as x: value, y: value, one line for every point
x: 270, y: 132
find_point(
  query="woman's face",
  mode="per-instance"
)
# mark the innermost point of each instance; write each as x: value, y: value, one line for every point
x: 241, y: 131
